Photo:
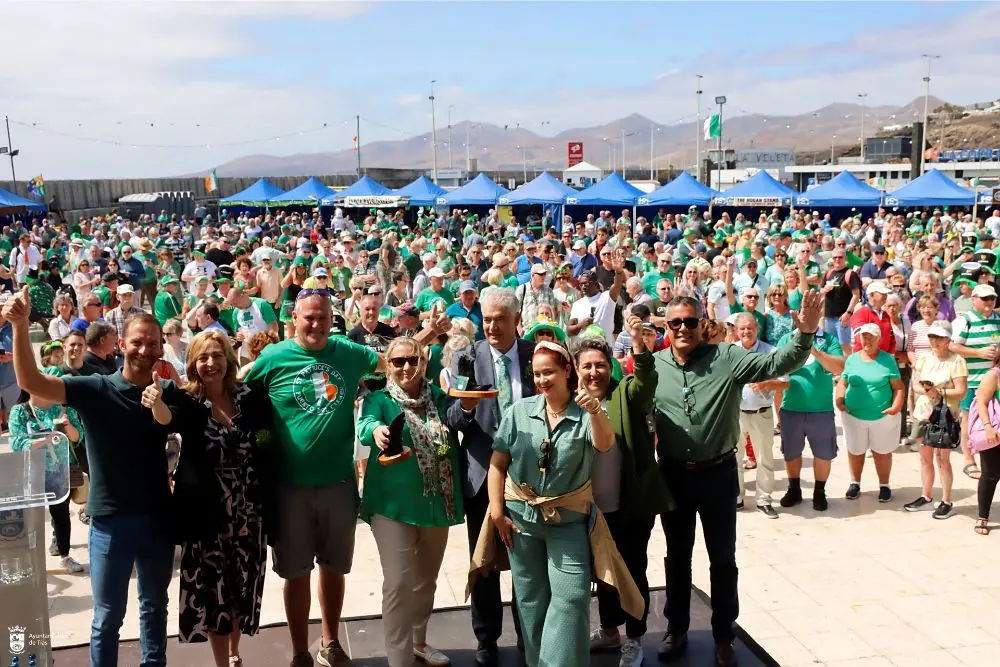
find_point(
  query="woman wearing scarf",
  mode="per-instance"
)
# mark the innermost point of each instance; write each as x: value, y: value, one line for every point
x: 410, y: 504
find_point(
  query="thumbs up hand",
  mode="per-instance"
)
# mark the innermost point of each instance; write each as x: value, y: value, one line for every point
x: 18, y: 308
x: 586, y: 400
x: 153, y: 394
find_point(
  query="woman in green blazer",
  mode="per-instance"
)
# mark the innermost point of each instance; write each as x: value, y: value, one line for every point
x: 628, y: 488
x: 410, y: 503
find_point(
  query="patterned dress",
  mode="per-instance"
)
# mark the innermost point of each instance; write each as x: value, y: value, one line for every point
x: 222, y: 577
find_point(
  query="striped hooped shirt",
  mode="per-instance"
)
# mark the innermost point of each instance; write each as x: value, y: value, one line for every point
x: 975, y: 331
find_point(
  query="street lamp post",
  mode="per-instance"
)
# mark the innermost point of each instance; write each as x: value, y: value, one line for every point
x: 12, y: 153
x: 624, y: 134
x: 832, y: 140
x: 434, y: 141
x: 468, y: 160
x: 862, y: 97
x: 927, y: 93
x: 697, y: 126
x: 720, y: 100
x: 652, y: 150
x: 451, y: 161
x: 524, y: 163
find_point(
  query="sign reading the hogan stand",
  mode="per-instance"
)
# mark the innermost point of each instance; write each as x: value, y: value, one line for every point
x: 385, y: 201
x: 752, y: 202
x: 764, y: 158
x: 574, y: 153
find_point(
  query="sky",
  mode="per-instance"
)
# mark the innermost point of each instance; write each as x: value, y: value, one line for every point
x: 142, y: 88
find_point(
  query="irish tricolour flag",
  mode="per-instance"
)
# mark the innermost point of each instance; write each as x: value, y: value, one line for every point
x: 713, y: 127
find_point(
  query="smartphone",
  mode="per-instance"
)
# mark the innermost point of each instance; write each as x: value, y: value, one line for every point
x: 593, y: 311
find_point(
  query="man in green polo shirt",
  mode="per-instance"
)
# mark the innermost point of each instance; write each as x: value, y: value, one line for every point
x: 434, y: 293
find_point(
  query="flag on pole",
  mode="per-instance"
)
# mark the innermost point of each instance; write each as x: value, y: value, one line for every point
x: 713, y: 127
x: 36, y: 186
x: 354, y: 144
x: 974, y: 183
x: 211, y: 182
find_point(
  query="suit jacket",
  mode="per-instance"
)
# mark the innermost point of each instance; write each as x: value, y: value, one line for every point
x: 480, y: 427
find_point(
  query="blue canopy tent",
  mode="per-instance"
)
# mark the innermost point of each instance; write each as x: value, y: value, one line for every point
x: 931, y: 189
x: 258, y: 194
x: 480, y: 191
x: 12, y: 204
x: 843, y: 190
x: 363, y: 187
x: 544, y: 189
x: 612, y: 191
x: 309, y: 193
x: 421, y: 192
x: 761, y: 190
x: 685, y: 190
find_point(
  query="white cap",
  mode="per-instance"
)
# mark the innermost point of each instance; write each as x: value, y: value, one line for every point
x: 878, y: 287
x: 869, y: 328
x: 940, y: 328
x: 539, y: 268
x: 125, y: 289
x: 731, y: 320
x: 435, y: 273
x: 984, y: 291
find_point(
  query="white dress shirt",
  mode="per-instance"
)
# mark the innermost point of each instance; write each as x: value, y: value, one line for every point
x: 515, y: 369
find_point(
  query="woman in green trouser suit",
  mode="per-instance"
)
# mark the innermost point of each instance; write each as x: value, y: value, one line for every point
x: 546, y: 444
x: 410, y: 504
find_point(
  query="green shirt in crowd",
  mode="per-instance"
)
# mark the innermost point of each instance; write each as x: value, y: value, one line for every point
x: 869, y: 391
x: 697, y: 405
x: 811, y: 387
x: 977, y: 332
x: 397, y: 491
x: 104, y: 294
x: 166, y: 306
x: 312, y: 395
x: 427, y: 297
x: 650, y: 279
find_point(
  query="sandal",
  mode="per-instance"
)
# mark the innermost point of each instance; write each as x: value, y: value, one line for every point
x: 982, y: 527
x: 749, y: 465
x: 972, y: 471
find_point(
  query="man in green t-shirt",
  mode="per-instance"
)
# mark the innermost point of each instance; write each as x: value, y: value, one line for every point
x: 168, y: 302
x: 433, y: 293
x: 807, y: 412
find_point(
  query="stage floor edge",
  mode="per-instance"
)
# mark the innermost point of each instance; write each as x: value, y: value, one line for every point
x: 450, y: 631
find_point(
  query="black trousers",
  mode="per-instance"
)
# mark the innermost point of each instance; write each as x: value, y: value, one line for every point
x: 631, y: 535
x: 485, y: 602
x: 61, y: 525
x: 989, y: 461
x: 710, y: 493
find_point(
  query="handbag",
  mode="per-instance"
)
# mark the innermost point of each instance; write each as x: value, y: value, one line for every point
x: 977, y: 429
x: 942, y: 431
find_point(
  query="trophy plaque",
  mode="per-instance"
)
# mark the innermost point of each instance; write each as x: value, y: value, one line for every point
x: 395, y: 452
x: 464, y: 384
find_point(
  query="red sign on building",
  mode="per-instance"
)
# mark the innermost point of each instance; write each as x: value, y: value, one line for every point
x: 574, y: 153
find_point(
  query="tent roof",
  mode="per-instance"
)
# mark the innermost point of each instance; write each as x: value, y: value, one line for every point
x: 612, y: 191
x: 257, y: 194
x: 685, y: 190
x: 422, y: 192
x: 363, y: 187
x: 480, y: 191
x: 931, y: 189
x: 583, y: 166
x: 844, y: 189
x: 309, y: 193
x: 761, y: 190
x: 11, y: 200
x: 543, y: 189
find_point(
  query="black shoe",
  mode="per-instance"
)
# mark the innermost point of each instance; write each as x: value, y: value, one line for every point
x: 791, y: 498
x: 767, y: 511
x: 819, y: 502
x: 486, y: 656
x: 884, y: 494
x: 920, y: 503
x: 739, y: 504
x: 943, y: 510
x: 853, y: 491
x: 672, y: 646
x: 725, y: 654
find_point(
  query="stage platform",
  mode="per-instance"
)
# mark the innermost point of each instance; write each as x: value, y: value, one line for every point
x: 450, y: 631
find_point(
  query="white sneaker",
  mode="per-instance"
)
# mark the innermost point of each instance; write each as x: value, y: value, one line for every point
x: 601, y: 641
x: 631, y: 654
x: 69, y: 564
x: 431, y: 656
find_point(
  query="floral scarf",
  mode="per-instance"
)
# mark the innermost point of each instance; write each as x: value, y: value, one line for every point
x: 430, y: 442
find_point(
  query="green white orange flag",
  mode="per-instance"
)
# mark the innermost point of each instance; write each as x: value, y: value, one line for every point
x: 211, y: 182
x: 713, y: 127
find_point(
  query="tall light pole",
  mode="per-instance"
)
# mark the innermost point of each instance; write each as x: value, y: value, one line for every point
x: 624, y: 134
x: 832, y: 139
x: 468, y: 160
x: 652, y: 149
x: 611, y: 165
x: 927, y: 94
x: 862, y: 96
x: 697, y: 126
x: 12, y: 153
x: 451, y: 161
x: 524, y: 163
x: 720, y: 100
x: 434, y: 134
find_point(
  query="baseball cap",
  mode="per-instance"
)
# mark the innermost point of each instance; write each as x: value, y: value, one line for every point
x: 940, y: 328
x: 168, y: 279
x: 529, y: 244
x: 878, y: 287
x: 125, y: 289
x: 321, y: 271
x: 467, y: 286
x: 878, y: 249
x: 408, y: 309
x: 984, y: 291
x: 868, y: 328
x: 435, y: 273
x: 539, y: 268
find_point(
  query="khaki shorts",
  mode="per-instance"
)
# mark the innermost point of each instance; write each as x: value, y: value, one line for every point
x: 880, y: 435
x: 315, y: 525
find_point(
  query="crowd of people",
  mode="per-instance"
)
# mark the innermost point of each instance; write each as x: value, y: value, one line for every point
x: 642, y: 370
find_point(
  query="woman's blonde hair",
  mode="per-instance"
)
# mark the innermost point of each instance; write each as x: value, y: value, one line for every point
x: 492, y: 277
x: 419, y: 351
x: 455, y: 344
x: 173, y: 326
x: 197, y: 348
x: 463, y: 326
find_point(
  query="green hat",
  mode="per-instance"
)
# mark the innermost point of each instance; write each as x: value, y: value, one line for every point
x: 541, y: 325
x: 51, y: 252
x: 690, y: 231
x: 720, y: 236
x: 300, y: 261
x: 223, y: 279
x: 167, y: 280
x: 197, y: 253
x: 967, y: 248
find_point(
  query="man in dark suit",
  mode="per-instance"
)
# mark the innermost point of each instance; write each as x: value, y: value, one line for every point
x: 502, y: 361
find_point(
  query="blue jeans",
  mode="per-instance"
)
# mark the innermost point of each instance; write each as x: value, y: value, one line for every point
x: 116, y: 544
x: 843, y: 332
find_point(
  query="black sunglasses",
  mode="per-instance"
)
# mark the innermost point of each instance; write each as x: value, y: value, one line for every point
x: 400, y: 362
x: 545, y: 460
x: 313, y: 291
x: 690, y: 323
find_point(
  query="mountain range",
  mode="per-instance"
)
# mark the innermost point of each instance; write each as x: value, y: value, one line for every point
x: 836, y: 126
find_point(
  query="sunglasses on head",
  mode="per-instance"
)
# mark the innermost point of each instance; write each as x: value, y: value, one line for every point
x: 690, y: 323
x: 401, y: 362
x: 313, y: 291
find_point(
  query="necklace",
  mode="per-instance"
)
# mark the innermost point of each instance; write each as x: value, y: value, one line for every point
x: 554, y: 413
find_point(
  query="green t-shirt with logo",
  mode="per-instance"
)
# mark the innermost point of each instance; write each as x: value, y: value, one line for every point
x: 869, y: 391
x: 312, y: 396
x: 811, y: 387
x: 427, y: 297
